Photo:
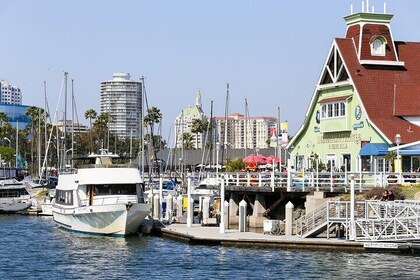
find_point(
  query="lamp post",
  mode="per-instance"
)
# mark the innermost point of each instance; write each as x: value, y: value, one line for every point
x: 8, y: 140
x: 217, y: 160
x: 398, y: 141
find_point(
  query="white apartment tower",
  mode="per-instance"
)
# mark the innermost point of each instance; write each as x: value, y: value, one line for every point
x: 244, y: 132
x: 10, y: 94
x: 121, y: 97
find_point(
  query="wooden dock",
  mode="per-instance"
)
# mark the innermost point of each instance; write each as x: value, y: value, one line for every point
x: 198, y: 234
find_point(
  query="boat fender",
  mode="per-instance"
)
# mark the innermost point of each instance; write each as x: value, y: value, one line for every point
x: 129, y: 205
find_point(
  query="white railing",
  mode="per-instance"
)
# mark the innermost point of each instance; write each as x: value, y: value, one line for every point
x: 373, y: 220
x: 108, y: 200
x: 319, y: 180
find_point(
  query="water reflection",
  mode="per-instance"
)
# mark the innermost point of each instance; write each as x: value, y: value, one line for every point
x: 33, y: 247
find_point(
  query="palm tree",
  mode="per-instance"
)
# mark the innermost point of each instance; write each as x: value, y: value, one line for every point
x: 101, y: 124
x: 35, y: 113
x: 90, y: 114
x: 187, y: 141
x: 4, y: 125
x: 153, y: 116
x: 198, y: 126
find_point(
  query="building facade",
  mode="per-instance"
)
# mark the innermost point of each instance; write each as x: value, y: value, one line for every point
x: 10, y: 94
x: 184, y: 124
x: 16, y: 115
x: 366, y: 102
x: 244, y: 132
x: 121, y: 97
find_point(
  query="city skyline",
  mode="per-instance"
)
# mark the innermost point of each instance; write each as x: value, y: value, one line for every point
x: 270, y: 53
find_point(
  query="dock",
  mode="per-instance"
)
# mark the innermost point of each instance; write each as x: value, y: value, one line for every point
x: 200, y: 235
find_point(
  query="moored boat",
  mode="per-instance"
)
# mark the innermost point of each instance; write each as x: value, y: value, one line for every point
x: 100, y: 198
x: 14, y: 196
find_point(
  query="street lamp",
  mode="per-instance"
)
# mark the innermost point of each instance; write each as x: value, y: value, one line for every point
x: 7, y: 139
x: 398, y: 142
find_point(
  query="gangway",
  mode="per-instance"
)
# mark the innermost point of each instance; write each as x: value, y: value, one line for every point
x: 373, y: 220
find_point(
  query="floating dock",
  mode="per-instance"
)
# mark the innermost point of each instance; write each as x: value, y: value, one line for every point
x: 198, y: 234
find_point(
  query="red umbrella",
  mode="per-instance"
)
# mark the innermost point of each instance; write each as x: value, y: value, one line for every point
x: 270, y: 159
x: 254, y: 159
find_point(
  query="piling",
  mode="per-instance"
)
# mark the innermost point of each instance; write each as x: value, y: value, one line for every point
x: 289, y: 218
x: 242, y: 216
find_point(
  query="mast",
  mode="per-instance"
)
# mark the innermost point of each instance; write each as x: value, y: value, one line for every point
x: 211, y: 126
x: 39, y: 143
x: 45, y: 125
x: 246, y: 127
x: 72, y: 122
x: 64, y: 157
x: 141, y: 128
x: 226, y: 124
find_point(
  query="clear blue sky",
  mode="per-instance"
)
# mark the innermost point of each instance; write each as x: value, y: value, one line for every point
x: 271, y: 52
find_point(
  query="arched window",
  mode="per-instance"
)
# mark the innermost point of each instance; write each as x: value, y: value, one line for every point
x: 377, y: 46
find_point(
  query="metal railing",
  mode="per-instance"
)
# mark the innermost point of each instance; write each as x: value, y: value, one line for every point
x: 373, y: 220
x: 108, y: 200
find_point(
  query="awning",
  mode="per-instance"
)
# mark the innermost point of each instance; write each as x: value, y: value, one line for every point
x: 374, y: 149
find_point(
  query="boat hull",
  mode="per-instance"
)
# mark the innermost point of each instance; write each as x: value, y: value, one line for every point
x: 116, y: 220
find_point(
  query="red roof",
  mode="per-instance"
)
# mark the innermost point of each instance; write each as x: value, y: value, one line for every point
x: 375, y: 85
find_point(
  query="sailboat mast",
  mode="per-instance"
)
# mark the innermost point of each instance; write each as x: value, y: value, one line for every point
x: 39, y: 143
x: 141, y: 128
x: 246, y: 128
x: 45, y: 125
x: 72, y: 122
x: 226, y: 123
x: 64, y: 157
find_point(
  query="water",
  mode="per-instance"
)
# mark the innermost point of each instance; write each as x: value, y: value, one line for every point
x: 35, y: 248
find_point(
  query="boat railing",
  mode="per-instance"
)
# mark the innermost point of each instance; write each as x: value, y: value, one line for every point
x: 126, y: 165
x: 109, y: 200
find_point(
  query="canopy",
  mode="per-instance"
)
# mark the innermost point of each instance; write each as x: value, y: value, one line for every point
x: 270, y: 159
x: 374, y: 149
x: 254, y: 159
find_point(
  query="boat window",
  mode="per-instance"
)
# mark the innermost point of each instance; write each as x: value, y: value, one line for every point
x: 125, y: 189
x: 9, y: 193
x: 64, y: 197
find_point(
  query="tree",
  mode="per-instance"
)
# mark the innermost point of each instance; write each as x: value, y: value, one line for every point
x: 153, y: 116
x: 234, y: 165
x: 187, y: 140
x: 90, y: 114
x: 101, y: 125
x: 35, y: 113
x: 198, y: 126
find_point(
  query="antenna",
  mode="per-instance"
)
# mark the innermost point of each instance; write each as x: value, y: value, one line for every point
x: 384, y: 7
x: 367, y: 6
x: 373, y: 9
x: 351, y: 9
x: 363, y: 6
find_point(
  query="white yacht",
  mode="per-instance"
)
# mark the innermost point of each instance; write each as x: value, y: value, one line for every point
x: 100, y: 198
x: 14, y: 196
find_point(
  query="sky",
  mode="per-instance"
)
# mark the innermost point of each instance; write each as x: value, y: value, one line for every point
x: 271, y: 52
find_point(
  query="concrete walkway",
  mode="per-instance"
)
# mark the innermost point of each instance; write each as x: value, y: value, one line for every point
x: 198, y: 234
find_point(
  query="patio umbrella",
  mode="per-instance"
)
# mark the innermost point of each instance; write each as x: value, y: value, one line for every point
x: 254, y: 159
x: 270, y: 159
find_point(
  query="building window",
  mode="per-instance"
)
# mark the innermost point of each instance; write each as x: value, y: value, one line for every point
x: 333, y: 110
x: 377, y: 47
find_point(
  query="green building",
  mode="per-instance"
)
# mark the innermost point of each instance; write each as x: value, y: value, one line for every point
x: 366, y: 102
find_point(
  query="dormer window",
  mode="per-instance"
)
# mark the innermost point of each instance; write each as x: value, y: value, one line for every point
x: 377, y: 46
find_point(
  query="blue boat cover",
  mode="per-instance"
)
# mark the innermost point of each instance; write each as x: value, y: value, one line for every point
x: 374, y: 149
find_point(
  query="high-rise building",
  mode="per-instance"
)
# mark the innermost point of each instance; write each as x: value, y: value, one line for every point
x: 244, y: 132
x: 121, y: 97
x: 10, y: 94
x: 184, y: 124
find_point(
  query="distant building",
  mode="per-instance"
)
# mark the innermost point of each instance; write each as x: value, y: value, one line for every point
x: 121, y: 97
x: 184, y: 123
x: 244, y: 132
x: 16, y: 114
x: 77, y: 127
x: 9, y: 94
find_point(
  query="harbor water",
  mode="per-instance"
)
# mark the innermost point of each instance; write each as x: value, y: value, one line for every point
x: 35, y: 248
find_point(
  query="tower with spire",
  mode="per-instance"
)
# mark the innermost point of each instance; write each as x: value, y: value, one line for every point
x: 184, y: 123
